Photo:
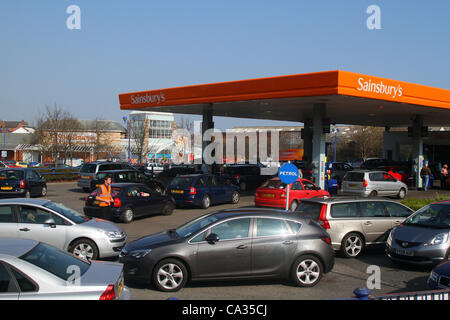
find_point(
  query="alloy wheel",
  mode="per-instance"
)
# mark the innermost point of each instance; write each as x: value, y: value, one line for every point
x: 308, y: 272
x: 353, y: 246
x: 84, y: 251
x: 170, y: 276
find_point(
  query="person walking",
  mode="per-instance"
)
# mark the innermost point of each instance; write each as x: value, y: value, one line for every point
x: 425, y: 174
x: 104, y: 197
x: 444, y: 175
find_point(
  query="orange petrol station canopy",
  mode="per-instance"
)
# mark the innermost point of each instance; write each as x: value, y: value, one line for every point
x: 351, y: 98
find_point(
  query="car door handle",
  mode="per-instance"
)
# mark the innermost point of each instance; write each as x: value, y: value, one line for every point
x: 24, y: 229
x: 288, y: 242
x: 367, y: 223
x: 242, y: 246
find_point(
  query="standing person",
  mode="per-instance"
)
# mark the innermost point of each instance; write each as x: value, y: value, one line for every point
x: 425, y: 174
x: 444, y: 174
x: 105, y: 197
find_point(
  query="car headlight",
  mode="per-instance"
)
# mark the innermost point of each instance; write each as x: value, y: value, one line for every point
x: 140, y: 253
x: 438, y: 239
x: 434, y: 276
x: 114, y: 234
x: 389, y: 239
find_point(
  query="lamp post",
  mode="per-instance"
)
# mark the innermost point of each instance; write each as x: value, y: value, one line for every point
x: 335, y: 130
x: 129, y: 134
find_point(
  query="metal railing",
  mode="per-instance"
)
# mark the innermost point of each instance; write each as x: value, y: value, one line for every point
x: 442, y: 294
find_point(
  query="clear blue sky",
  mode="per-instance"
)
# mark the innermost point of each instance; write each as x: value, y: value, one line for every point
x: 137, y: 45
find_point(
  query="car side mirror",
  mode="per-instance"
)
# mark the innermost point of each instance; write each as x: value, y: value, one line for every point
x: 50, y: 222
x: 212, y: 238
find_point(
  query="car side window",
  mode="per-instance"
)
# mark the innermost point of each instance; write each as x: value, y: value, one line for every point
x: 35, y: 215
x: 25, y: 284
x: 271, y: 227
x: 376, y: 176
x: 387, y: 177
x: 210, y: 181
x: 344, y: 210
x: 373, y: 209
x: 133, y: 192
x: 295, y: 226
x: 6, y: 214
x: 397, y: 210
x: 232, y: 229
x: 308, y: 185
x: 6, y: 283
x: 297, y: 186
x: 200, y: 182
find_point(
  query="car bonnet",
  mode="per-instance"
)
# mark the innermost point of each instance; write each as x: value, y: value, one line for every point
x: 102, y: 224
x: 416, y: 233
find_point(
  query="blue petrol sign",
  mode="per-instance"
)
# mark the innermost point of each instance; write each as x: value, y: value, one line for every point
x: 288, y: 173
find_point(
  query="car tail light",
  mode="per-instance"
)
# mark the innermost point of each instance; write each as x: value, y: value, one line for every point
x: 86, y: 201
x: 365, y: 184
x: 193, y: 191
x: 109, y: 293
x: 79, y: 176
x: 323, y: 218
x: 22, y: 184
x: 283, y: 194
x: 117, y: 203
x: 236, y: 176
x: 326, y: 239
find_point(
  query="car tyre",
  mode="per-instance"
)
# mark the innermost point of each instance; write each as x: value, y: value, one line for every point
x: 373, y: 194
x: 170, y: 275
x: 242, y: 186
x: 307, y: 271
x: 293, y: 206
x: 235, y: 197
x: 44, y: 191
x: 168, y: 208
x: 401, y: 194
x: 27, y: 194
x: 206, y: 202
x: 128, y: 215
x: 85, y: 249
x: 352, y: 245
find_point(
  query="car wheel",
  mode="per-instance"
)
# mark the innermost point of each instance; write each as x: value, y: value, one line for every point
x: 235, y: 197
x: 206, y: 202
x: 170, y: 275
x: 401, y: 194
x: 293, y: 206
x: 243, y: 186
x: 128, y: 215
x: 307, y: 271
x: 352, y: 245
x: 44, y: 191
x: 168, y: 208
x: 373, y: 194
x: 27, y: 194
x: 84, y: 249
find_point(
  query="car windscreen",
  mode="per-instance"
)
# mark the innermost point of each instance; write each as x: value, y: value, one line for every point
x: 431, y: 216
x: 311, y: 209
x: 88, y: 168
x: 70, y: 214
x: 11, y: 175
x: 55, y: 261
x: 195, y: 225
x: 354, y: 176
x: 274, y: 184
x: 181, y: 183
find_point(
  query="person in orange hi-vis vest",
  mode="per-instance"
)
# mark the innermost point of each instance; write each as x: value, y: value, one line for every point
x: 104, y: 197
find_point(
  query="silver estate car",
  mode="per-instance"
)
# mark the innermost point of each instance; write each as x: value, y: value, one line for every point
x: 355, y: 223
x: 32, y: 270
x: 365, y: 183
x: 424, y: 238
x: 61, y: 227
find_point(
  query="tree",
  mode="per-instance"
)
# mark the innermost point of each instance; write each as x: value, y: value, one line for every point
x: 139, y: 135
x: 368, y: 141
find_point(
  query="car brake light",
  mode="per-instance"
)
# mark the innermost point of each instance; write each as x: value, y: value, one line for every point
x: 322, y: 218
x: 79, y: 177
x: 193, y: 191
x: 326, y: 239
x: 283, y: 195
x: 22, y: 184
x: 117, y: 203
x: 365, y: 184
x: 109, y: 293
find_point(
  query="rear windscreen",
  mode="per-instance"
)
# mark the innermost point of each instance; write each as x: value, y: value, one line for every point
x: 11, y: 175
x: 311, y: 209
x: 181, y: 183
x: 273, y: 184
x: 354, y: 176
x: 88, y: 168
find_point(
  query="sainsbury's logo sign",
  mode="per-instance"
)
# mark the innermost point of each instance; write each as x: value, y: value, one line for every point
x: 158, y: 98
x: 380, y: 88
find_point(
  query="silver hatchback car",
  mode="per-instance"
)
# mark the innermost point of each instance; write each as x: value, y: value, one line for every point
x: 424, y: 238
x: 365, y: 183
x: 31, y: 270
x: 55, y: 224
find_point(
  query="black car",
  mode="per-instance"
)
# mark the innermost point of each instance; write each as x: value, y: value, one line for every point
x: 22, y: 182
x: 202, y: 190
x: 245, y: 176
x: 169, y: 173
x: 119, y: 176
x: 232, y: 244
x: 130, y: 200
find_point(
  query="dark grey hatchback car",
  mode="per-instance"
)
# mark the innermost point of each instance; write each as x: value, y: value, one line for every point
x: 232, y: 244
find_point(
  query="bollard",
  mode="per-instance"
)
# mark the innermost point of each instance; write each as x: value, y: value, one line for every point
x: 362, y: 293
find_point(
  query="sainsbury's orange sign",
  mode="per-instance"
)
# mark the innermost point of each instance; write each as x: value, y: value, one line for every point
x: 380, y: 87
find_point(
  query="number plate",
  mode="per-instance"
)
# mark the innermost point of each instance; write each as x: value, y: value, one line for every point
x: 6, y: 188
x: 177, y: 191
x: 352, y: 185
x: 85, y: 177
x: 268, y: 195
x: 404, y: 252
x: 96, y: 202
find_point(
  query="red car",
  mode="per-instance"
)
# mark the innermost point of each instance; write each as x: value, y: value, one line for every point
x: 273, y: 193
x: 399, y: 173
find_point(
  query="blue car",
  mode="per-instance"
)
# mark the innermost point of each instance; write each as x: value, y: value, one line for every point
x: 440, y: 277
x: 202, y: 190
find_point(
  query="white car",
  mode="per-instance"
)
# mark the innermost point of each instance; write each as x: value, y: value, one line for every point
x: 32, y: 270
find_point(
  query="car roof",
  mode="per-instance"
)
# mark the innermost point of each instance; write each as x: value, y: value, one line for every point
x: 345, y: 199
x: 16, y: 247
x: 125, y: 184
x: 252, y: 211
x: 32, y: 201
x: 116, y: 171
